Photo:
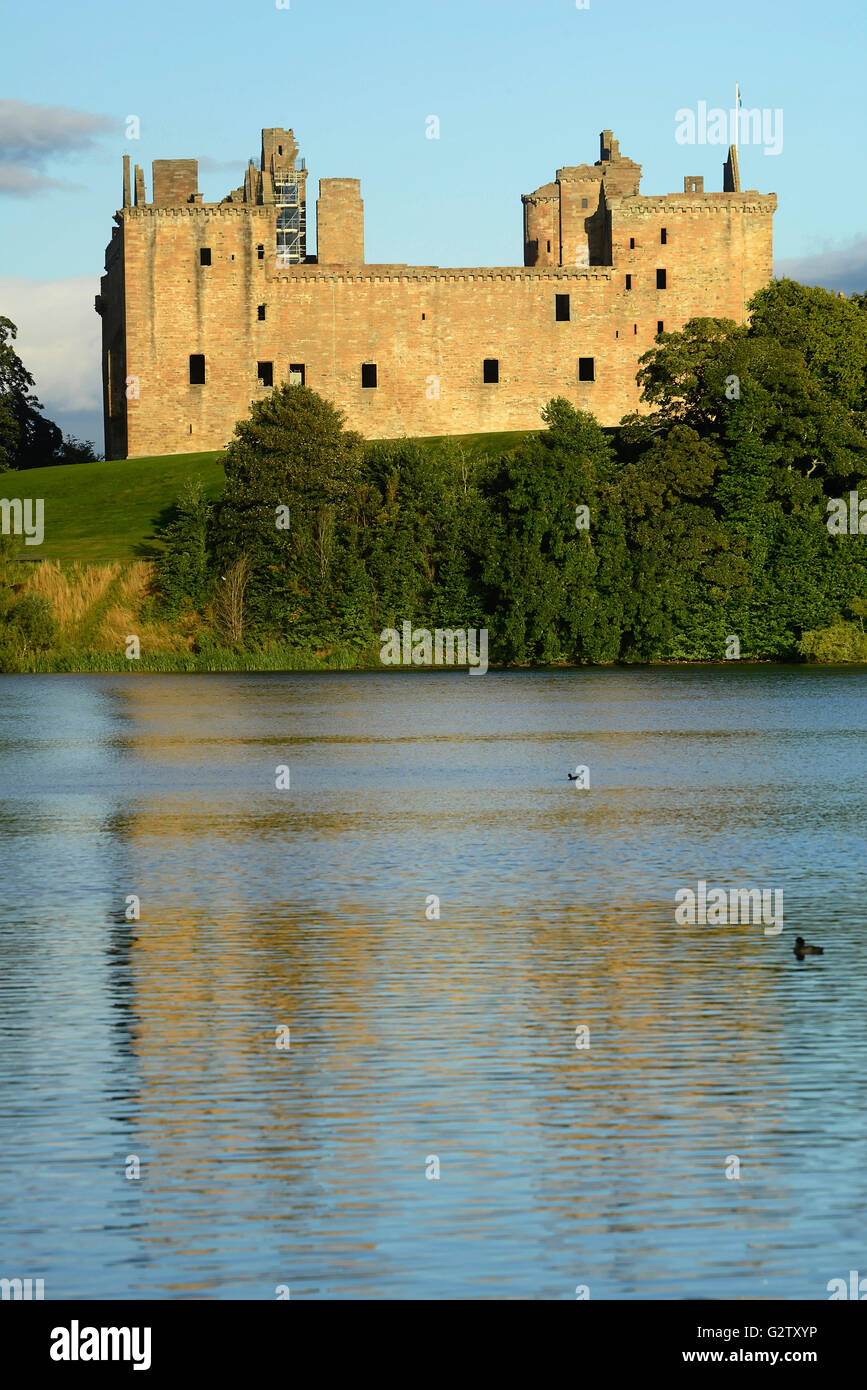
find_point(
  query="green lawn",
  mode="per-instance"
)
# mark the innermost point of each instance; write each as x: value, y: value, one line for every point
x: 97, y: 512
x: 497, y: 443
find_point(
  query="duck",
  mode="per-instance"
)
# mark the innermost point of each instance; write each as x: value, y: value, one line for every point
x: 802, y: 949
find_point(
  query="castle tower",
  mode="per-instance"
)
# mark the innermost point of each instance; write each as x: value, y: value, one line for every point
x: 284, y: 182
x: 567, y: 223
x: 542, y: 226
x: 279, y: 182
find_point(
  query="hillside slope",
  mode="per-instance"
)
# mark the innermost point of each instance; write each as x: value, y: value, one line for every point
x: 101, y: 513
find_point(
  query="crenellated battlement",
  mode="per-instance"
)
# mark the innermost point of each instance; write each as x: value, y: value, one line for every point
x: 207, y: 306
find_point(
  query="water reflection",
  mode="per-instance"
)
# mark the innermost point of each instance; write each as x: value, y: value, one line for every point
x: 410, y: 1037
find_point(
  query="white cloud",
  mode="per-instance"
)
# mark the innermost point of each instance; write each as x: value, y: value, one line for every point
x: 59, y: 339
x: 842, y: 268
x: 20, y: 182
x: 30, y: 133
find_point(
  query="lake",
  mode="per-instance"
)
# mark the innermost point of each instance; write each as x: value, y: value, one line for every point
x: 253, y: 1086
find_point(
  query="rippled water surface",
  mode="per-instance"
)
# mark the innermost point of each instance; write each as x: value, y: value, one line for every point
x: 305, y: 908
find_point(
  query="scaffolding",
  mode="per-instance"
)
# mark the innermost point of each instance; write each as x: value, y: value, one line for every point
x: 291, y: 219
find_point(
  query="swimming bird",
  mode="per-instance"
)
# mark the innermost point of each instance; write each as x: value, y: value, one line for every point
x: 802, y: 949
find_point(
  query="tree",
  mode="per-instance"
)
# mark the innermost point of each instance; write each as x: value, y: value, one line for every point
x: 714, y: 372
x: 292, y: 474
x: 229, y: 600
x: 421, y: 537
x: 554, y: 569
x: 684, y: 376
x: 27, y: 439
x: 79, y: 450
x: 15, y: 381
x: 784, y: 439
x: 183, y: 570
x: 829, y: 330
x: 682, y: 574
x: 9, y: 433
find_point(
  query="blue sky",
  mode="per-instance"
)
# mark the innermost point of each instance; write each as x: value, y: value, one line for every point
x: 519, y: 88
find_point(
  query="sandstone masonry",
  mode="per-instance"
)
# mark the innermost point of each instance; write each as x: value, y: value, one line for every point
x: 205, y: 306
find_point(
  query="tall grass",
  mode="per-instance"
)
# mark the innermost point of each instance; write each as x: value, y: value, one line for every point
x: 122, y: 616
x: 70, y: 660
x: 72, y: 592
x: 96, y: 608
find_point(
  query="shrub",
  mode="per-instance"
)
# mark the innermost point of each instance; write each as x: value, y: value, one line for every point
x: 30, y: 622
x: 183, y: 570
x: 840, y: 642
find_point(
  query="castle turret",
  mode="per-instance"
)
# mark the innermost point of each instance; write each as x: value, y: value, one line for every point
x: 542, y: 226
x: 567, y: 223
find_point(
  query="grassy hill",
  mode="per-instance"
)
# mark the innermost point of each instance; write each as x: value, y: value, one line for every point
x: 99, y: 513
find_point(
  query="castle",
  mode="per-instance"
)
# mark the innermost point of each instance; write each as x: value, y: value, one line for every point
x: 206, y: 306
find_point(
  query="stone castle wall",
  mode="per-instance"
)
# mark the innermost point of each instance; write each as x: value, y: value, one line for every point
x: 427, y: 330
